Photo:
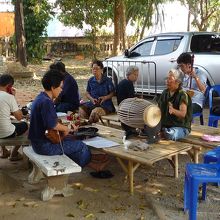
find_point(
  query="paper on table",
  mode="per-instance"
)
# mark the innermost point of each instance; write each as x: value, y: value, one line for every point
x: 99, y: 142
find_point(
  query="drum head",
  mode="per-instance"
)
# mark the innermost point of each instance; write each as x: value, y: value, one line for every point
x: 152, y: 115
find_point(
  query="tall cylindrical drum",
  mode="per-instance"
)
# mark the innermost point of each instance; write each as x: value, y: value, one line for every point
x: 136, y: 113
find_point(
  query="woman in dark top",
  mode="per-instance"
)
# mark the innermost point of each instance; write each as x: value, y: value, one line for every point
x: 125, y: 89
x: 176, y: 108
x: 68, y: 99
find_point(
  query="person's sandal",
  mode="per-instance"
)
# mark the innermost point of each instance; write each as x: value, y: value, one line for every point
x: 16, y: 158
x: 103, y: 174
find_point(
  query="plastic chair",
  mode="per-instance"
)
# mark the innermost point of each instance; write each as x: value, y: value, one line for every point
x: 213, y: 119
x: 195, y: 175
x: 212, y: 156
x: 200, y: 115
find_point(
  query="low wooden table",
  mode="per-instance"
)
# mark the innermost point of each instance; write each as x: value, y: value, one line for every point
x: 197, y: 132
x: 131, y: 159
x: 18, y: 140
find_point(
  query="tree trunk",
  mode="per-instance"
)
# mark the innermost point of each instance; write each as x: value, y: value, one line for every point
x: 144, y: 27
x: 116, y: 44
x: 123, y: 25
x: 20, y: 33
x: 146, y: 20
x: 188, y: 20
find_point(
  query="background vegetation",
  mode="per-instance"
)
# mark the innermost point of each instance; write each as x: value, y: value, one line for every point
x: 204, y: 15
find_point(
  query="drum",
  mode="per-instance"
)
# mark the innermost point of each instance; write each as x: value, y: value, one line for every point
x: 136, y: 113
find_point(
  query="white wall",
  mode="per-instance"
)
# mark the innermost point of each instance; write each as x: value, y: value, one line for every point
x: 6, y: 6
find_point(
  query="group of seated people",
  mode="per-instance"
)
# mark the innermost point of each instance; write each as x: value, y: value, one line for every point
x: 61, y: 94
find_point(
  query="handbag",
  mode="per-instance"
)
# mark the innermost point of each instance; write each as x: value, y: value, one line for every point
x: 85, y: 133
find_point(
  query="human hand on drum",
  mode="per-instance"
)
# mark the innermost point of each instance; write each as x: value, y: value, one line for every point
x: 171, y: 108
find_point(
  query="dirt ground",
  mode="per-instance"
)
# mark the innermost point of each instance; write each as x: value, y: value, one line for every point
x: 157, y: 194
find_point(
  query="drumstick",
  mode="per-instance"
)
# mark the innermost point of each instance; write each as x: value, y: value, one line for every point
x: 192, y: 62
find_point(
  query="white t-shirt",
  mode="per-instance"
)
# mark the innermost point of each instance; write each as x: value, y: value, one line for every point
x: 8, y: 104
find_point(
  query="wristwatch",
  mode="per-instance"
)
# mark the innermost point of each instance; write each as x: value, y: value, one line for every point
x: 197, y: 78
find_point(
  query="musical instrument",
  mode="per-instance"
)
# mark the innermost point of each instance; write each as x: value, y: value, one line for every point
x: 137, y: 113
x: 191, y: 92
x: 54, y: 136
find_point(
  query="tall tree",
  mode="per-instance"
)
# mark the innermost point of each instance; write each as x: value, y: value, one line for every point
x: 141, y: 14
x: 205, y: 14
x: 116, y: 42
x: 77, y: 13
x: 97, y: 13
x: 37, y: 15
x: 20, y: 33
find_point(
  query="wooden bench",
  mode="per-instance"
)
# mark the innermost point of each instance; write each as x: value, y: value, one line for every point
x: 56, y: 169
x: 130, y: 159
x: 15, y: 141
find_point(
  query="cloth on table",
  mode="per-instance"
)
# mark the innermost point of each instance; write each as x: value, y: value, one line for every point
x: 211, y: 138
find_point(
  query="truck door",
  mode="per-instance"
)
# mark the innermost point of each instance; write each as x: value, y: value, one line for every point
x: 165, y: 54
x: 140, y: 56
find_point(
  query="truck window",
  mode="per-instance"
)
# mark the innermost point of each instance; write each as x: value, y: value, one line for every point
x: 205, y: 43
x: 143, y: 49
x: 166, y: 46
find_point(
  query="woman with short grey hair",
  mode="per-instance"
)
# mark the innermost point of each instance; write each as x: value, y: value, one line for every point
x: 125, y: 89
x: 176, y: 108
x: 131, y: 69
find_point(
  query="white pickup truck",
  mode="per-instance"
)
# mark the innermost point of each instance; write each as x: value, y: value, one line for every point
x: 157, y: 54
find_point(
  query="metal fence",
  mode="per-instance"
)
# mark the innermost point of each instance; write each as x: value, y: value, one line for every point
x: 146, y: 83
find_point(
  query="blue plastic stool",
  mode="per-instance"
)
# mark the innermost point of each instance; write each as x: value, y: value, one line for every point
x: 212, y: 156
x: 213, y: 119
x: 200, y: 115
x: 195, y: 175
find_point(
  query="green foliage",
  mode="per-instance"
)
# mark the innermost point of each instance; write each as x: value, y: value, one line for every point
x: 141, y: 14
x: 205, y: 14
x: 79, y: 12
x: 93, y: 13
x: 37, y: 14
x: 97, y: 13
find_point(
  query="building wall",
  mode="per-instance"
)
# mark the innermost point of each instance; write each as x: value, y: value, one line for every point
x: 7, y: 24
x: 61, y: 46
x: 77, y: 45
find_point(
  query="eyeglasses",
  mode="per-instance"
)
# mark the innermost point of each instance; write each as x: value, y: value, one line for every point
x: 96, y: 68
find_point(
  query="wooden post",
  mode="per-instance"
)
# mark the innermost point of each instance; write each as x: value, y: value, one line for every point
x: 131, y: 176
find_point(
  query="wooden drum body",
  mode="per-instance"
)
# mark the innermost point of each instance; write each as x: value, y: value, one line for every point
x: 136, y: 113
